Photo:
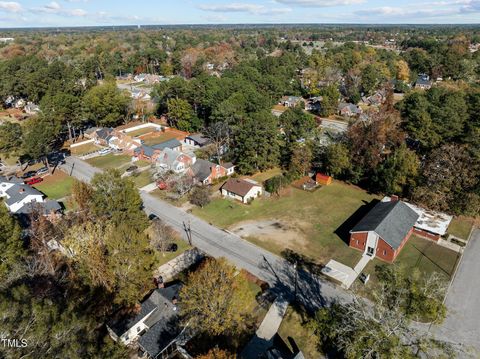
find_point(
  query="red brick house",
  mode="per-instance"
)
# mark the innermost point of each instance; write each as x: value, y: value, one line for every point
x: 384, y: 230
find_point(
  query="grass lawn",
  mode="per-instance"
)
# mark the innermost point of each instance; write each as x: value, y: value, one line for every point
x: 142, y: 179
x: 159, y: 139
x: 164, y: 196
x: 109, y: 161
x: 461, y: 227
x: 141, y: 131
x: 322, y: 218
x: 142, y: 163
x: 84, y: 149
x: 263, y: 176
x: 56, y: 186
x: 418, y: 253
x: 294, y: 326
x: 182, y: 247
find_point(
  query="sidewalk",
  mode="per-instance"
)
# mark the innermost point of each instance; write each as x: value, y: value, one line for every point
x: 264, y: 336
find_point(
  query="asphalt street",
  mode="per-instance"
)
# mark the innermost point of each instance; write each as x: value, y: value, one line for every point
x: 311, y: 290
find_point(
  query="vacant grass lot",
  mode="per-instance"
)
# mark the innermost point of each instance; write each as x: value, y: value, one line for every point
x: 84, y: 149
x: 461, y: 227
x: 323, y: 219
x: 163, y: 258
x: 110, y: 160
x: 141, y: 179
x: 159, y: 139
x: 141, y: 131
x: 56, y: 186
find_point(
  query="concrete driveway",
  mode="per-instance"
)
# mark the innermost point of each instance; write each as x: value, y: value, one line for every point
x: 462, y: 325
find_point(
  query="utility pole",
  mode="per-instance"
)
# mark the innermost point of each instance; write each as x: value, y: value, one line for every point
x: 296, y: 280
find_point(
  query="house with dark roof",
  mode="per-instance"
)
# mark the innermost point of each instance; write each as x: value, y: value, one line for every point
x: 154, y: 327
x: 197, y: 140
x: 243, y: 190
x: 423, y: 82
x: 349, y: 109
x: 205, y: 172
x: 384, y: 230
x: 291, y: 101
x: 20, y: 198
x: 151, y: 153
x: 175, y: 161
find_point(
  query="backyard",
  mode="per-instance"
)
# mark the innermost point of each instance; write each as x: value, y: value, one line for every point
x: 84, y: 149
x: 461, y: 227
x: 314, y: 225
x: 141, y: 131
x: 56, y: 186
x: 109, y: 161
x: 141, y: 179
x: 155, y: 140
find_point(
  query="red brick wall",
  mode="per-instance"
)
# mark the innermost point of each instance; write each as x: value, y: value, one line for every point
x: 362, y: 240
x: 426, y: 234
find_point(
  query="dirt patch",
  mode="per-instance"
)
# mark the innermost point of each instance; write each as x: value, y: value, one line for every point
x: 277, y: 231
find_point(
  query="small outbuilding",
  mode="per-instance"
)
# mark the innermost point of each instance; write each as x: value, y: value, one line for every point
x: 323, y: 179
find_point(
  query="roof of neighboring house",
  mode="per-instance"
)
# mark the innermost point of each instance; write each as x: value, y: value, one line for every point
x: 104, y: 132
x: 352, y: 107
x: 202, y: 169
x: 228, y: 165
x: 291, y: 98
x: 169, y: 156
x: 45, y: 207
x: 18, y: 192
x: 199, y: 138
x: 173, y: 143
x: 164, y: 325
x: 12, y: 179
x: 239, y: 186
x: 390, y: 220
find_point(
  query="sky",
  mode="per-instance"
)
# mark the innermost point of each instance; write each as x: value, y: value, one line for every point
x: 39, y: 13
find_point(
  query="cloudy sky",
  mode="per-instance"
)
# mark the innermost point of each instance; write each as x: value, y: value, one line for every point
x: 25, y: 13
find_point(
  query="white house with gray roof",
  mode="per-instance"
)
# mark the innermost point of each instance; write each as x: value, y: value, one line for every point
x: 21, y: 198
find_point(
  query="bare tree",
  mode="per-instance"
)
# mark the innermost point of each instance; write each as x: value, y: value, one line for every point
x: 219, y: 134
x: 161, y: 235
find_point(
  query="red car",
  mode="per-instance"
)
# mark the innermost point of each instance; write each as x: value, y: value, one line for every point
x: 34, y: 180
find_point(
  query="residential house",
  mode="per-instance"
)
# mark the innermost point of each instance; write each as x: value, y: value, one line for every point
x: 174, y: 161
x: 243, y: 190
x: 423, y: 82
x: 197, y: 140
x: 23, y: 199
x: 150, y: 153
x: 383, y: 232
x: 31, y: 108
x: 430, y: 224
x: 206, y: 172
x: 155, y: 327
x: 278, y: 110
x: 291, y: 101
x: 349, y: 109
x: 102, y: 135
x: 376, y: 99
x: 314, y: 104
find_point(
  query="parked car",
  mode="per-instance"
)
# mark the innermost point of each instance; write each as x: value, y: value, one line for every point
x: 42, y: 171
x: 131, y: 168
x: 29, y: 174
x: 34, y: 180
x: 105, y: 151
x: 152, y: 217
x: 161, y: 185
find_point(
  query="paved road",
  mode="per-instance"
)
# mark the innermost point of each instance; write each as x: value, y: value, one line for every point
x: 463, y: 300
x: 312, y: 290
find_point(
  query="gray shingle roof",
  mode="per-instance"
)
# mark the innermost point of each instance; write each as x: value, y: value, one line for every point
x: 390, y: 220
x: 199, y: 138
x: 173, y: 143
x: 202, y: 169
x: 45, y: 207
x: 19, y: 191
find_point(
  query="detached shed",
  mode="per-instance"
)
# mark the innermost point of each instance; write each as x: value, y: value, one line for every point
x: 323, y: 179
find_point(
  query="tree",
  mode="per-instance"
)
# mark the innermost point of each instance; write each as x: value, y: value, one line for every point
x: 82, y: 194
x: 296, y: 124
x: 116, y: 198
x: 212, y: 300
x: 40, y: 138
x: 105, y: 104
x: 399, y: 171
x: 10, y: 138
x: 180, y: 115
x: 219, y: 133
x: 337, y: 159
x: 301, y: 160
x: 11, y: 248
x: 62, y: 109
x: 217, y: 353
x: 403, y: 71
x: 370, y: 79
x: 161, y: 235
x: 256, y: 143
x: 200, y: 196
x: 330, y: 97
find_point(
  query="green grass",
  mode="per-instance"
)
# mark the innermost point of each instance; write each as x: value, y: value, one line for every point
x: 421, y: 254
x: 142, y: 179
x: 84, y: 149
x: 159, y: 139
x: 461, y: 227
x: 318, y: 215
x: 141, y: 131
x: 294, y: 325
x: 163, y: 195
x: 109, y: 161
x: 263, y: 176
x: 142, y: 163
x: 56, y: 186
x: 163, y: 258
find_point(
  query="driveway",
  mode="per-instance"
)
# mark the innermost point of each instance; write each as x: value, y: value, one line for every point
x: 462, y: 325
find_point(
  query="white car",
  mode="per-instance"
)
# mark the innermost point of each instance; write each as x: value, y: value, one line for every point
x: 105, y: 151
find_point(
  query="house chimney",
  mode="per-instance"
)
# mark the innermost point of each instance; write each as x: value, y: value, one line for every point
x: 393, y: 198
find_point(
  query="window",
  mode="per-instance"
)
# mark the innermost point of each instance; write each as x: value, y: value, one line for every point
x: 357, y: 242
x: 384, y: 252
